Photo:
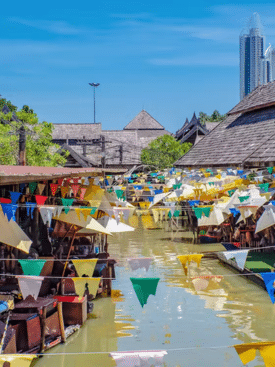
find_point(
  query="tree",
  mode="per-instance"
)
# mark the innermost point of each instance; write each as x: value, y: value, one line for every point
x: 4, y: 102
x: 164, y: 151
x: 40, y: 151
x: 215, y: 117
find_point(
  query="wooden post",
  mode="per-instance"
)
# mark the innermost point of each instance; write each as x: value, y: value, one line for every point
x: 43, y: 329
x: 61, y: 322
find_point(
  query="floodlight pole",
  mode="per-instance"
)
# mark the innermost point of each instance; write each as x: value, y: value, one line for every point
x: 94, y: 85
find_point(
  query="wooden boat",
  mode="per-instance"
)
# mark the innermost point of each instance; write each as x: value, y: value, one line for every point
x: 206, y: 238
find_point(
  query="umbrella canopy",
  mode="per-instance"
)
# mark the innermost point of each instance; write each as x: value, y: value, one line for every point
x: 215, y: 218
x: 89, y: 226
x: 267, y: 219
x: 11, y: 234
x: 112, y: 226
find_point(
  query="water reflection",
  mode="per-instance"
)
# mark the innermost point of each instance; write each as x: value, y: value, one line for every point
x: 228, y: 312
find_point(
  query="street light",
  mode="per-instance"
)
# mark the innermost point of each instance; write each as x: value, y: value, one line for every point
x: 94, y: 85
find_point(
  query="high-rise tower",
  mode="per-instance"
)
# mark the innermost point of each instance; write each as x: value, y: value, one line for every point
x: 252, y: 65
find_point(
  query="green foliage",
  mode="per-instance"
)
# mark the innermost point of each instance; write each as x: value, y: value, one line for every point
x: 40, y: 151
x: 4, y: 102
x: 215, y: 117
x: 164, y: 151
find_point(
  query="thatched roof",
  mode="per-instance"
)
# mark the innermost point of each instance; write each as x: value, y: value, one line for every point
x: 242, y: 139
x: 76, y: 131
x: 261, y: 97
x: 144, y: 121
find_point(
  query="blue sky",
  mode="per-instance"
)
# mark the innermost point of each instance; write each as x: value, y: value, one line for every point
x: 169, y: 58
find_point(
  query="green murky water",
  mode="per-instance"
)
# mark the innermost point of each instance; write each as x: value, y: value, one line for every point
x: 232, y: 311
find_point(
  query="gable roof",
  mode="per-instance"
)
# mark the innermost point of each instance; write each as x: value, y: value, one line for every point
x: 75, y: 131
x: 240, y: 139
x: 261, y: 97
x: 189, y: 128
x: 143, y: 121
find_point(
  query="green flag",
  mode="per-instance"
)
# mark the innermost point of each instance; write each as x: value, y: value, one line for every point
x: 67, y: 203
x: 144, y: 287
x: 270, y: 169
x: 32, y: 266
x: 206, y: 211
x: 198, y: 212
x: 243, y: 198
x: 32, y: 187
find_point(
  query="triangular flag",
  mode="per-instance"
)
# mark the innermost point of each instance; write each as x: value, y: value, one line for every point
x: 9, y: 210
x: 247, y: 352
x: 64, y: 191
x: 78, y: 212
x: 270, y: 169
x: 269, y: 279
x: 32, y: 187
x: 144, y: 287
x: 32, y: 266
x: 29, y: 285
x: 40, y: 199
x: 75, y: 180
x: 80, y: 285
x: 140, y: 262
x: 22, y: 187
x: 60, y: 181
x: 54, y: 188
x: 67, y: 203
x: 85, y: 267
x: 47, y: 214
x: 82, y: 193
x: 16, y: 360
x: 75, y: 189
x: 41, y: 188
x: 14, y: 196
x: 30, y: 206
x: 240, y: 257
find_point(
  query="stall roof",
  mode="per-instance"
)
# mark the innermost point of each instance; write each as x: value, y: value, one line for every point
x: 23, y: 174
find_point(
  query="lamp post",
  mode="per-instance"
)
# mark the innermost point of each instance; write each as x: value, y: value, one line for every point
x: 94, y: 85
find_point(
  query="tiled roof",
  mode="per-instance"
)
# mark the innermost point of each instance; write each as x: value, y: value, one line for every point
x: 239, y: 139
x: 143, y: 121
x: 260, y: 97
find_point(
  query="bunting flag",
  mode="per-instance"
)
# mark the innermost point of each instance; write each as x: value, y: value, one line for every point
x: 140, y: 262
x: 32, y: 266
x: 75, y: 180
x: 40, y: 200
x: 60, y: 181
x: 85, y: 267
x: 64, y: 191
x: 147, y: 221
x: 87, y: 211
x: 243, y: 198
x: 119, y: 193
x: 30, y: 285
x: 54, y: 188
x: 144, y: 287
x: 270, y: 169
x: 139, y: 358
x: 155, y: 213
x: 17, y: 360
x: 269, y: 279
x: 30, y: 207
x: 22, y: 187
x: 234, y: 211
x: 80, y: 285
x: 247, y: 352
x: 82, y: 193
x: 9, y: 210
x: 67, y: 203
x: 239, y: 255
x: 133, y: 221
x: 75, y: 189
x: 47, y: 214
x: 32, y: 187
x: 14, y: 196
x: 264, y: 186
x: 40, y: 188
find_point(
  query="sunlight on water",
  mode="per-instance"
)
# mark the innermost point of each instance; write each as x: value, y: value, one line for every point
x: 229, y: 311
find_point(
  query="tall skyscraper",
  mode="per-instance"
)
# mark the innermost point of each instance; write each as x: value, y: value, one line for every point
x: 253, y: 65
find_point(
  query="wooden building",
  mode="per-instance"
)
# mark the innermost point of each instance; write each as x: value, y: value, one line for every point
x: 246, y: 138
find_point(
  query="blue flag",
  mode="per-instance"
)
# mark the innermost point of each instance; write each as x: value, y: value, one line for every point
x: 30, y: 206
x: 14, y: 196
x: 269, y: 279
x: 9, y: 210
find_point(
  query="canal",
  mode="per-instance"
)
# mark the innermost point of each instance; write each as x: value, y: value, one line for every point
x: 198, y: 327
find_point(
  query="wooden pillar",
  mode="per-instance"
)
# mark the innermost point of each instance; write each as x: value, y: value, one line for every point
x: 43, y: 329
x: 61, y: 322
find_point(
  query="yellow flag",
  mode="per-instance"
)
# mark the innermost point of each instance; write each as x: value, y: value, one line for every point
x: 155, y: 213
x: 133, y: 221
x: 17, y: 360
x: 80, y: 285
x: 186, y: 259
x: 85, y: 267
x: 78, y: 211
x: 85, y: 213
x: 247, y: 352
x: 144, y: 205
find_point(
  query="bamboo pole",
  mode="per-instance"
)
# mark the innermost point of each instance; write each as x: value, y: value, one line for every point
x: 61, y: 321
